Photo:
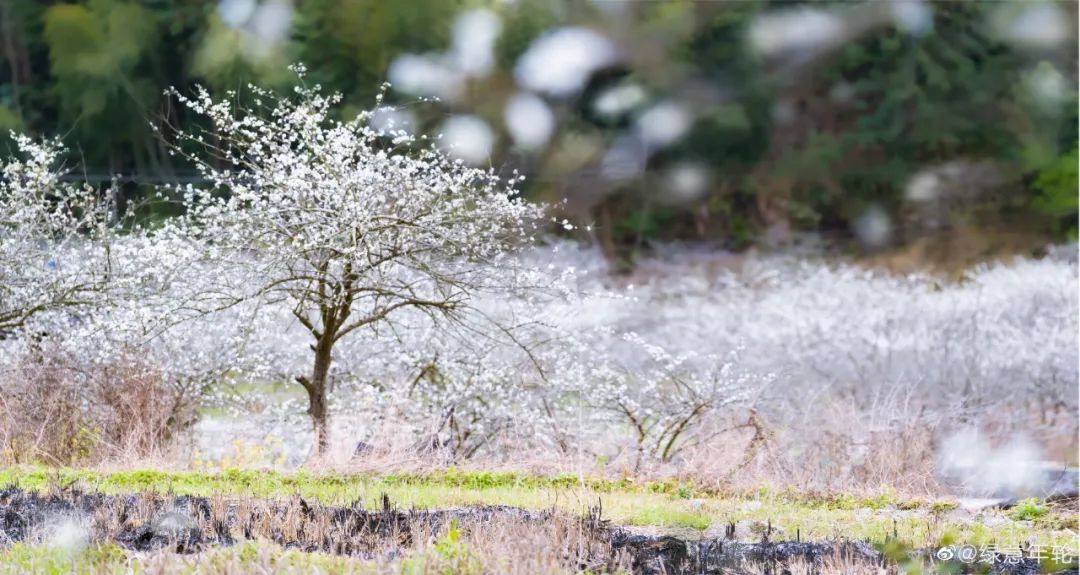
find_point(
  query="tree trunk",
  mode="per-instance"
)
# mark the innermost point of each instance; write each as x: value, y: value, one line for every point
x: 316, y: 387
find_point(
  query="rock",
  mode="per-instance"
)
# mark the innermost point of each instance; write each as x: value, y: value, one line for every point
x: 172, y: 524
x: 171, y: 529
x: 1061, y: 483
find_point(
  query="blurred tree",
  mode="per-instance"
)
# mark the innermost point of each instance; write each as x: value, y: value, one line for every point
x: 229, y: 58
x: 920, y: 100
x: 733, y: 134
x: 103, y: 56
x: 349, y: 44
x: 887, y: 105
x: 523, y: 22
x: 808, y: 139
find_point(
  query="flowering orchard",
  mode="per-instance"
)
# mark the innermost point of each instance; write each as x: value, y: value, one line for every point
x: 820, y: 351
x: 395, y: 287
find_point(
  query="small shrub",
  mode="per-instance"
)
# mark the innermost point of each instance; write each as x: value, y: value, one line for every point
x: 60, y: 411
x: 942, y: 507
x: 1056, y: 185
x: 684, y: 492
x: 1029, y: 510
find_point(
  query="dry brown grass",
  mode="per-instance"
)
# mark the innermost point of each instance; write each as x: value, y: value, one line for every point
x: 58, y: 411
x: 839, y: 563
x: 839, y: 451
x: 743, y: 450
x: 842, y: 450
x: 526, y: 554
x: 471, y: 540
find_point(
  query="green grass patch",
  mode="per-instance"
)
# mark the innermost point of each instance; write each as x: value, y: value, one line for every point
x: 1029, y: 510
x: 669, y: 505
x: 49, y: 560
x: 245, y: 557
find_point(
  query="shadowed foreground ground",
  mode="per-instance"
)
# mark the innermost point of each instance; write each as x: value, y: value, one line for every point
x: 160, y: 528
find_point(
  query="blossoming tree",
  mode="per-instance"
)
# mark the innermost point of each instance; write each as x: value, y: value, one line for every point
x: 52, y: 248
x: 350, y: 227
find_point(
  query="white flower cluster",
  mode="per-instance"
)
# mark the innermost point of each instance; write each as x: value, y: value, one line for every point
x: 48, y: 257
x: 310, y: 203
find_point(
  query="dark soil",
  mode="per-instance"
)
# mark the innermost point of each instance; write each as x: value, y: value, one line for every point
x: 186, y: 524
